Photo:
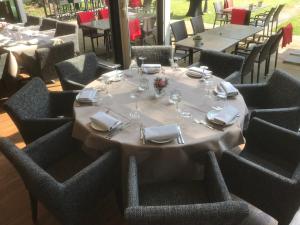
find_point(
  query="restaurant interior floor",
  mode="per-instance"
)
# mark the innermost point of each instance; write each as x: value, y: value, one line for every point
x: 14, y: 201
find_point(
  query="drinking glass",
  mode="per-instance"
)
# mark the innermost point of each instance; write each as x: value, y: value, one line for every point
x: 116, y: 67
x: 142, y: 58
x: 135, y: 114
x: 175, y: 98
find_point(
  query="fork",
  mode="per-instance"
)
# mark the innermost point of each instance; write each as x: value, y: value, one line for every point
x: 207, y: 125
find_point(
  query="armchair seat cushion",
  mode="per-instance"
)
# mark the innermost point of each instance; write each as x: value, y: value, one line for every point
x: 271, y: 162
x: 173, y: 193
x: 69, y: 165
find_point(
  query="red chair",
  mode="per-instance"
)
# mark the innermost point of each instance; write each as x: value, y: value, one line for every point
x: 103, y: 13
x: 135, y: 3
x: 240, y: 16
x: 85, y: 17
x: 135, y: 30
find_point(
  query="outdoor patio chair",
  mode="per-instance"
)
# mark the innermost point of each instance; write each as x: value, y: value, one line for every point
x: 223, y: 65
x: 65, y: 179
x: 179, y: 32
x: 77, y: 72
x: 3, y: 63
x: 267, y: 172
x: 48, y: 24
x: 85, y: 17
x: 275, y: 17
x: 281, y: 91
x: 182, y: 201
x: 32, y: 21
x: 220, y: 16
x: 263, y: 20
x: 248, y: 66
x: 154, y: 54
x: 197, y: 24
x: 263, y: 55
x: 36, y: 111
x: 63, y: 28
x: 274, y: 49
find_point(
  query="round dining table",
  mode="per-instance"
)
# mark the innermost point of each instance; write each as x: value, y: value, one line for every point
x: 167, y: 160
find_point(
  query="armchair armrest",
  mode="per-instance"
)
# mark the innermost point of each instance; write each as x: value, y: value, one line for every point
x: 96, y: 180
x: 62, y: 102
x: 54, y: 145
x: 73, y: 85
x: 288, y: 118
x: 252, y: 93
x: 216, y: 185
x: 35, y: 128
x: 198, y: 214
x: 133, y: 187
x: 234, y: 78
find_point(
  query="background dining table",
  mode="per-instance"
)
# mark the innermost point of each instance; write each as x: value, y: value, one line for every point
x: 160, y: 161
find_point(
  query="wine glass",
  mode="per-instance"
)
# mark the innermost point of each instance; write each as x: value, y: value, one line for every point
x: 176, y: 66
x: 135, y: 114
x: 175, y: 98
x: 116, y: 67
x: 142, y: 58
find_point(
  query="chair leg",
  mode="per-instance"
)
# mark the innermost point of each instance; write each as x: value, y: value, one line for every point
x: 119, y: 196
x: 276, y: 58
x: 34, y: 207
x: 252, y: 72
x: 215, y: 22
x: 258, y: 72
x: 83, y: 39
x: 266, y: 68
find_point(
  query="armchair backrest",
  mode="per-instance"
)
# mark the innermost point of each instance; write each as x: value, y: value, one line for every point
x: 63, y: 28
x: 265, y: 50
x: 275, y: 44
x: 32, y: 20
x: 264, y: 136
x: 218, y: 6
x: 154, y: 54
x: 81, y: 69
x: 3, y: 58
x: 197, y: 24
x: 48, y: 24
x: 31, y: 101
x: 48, y: 57
x: 179, y: 30
x: 85, y: 17
x: 221, y: 64
x: 277, y: 12
x: 283, y: 90
x: 269, y: 15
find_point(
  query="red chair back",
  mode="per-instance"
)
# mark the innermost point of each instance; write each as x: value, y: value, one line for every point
x: 103, y: 13
x: 135, y: 30
x: 135, y: 3
x: 239, y: 16
x: 287, y: 37
x: 85, y: 17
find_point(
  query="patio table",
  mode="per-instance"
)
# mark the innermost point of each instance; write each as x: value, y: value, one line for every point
x: 161, y: 160
x: 219, y: 39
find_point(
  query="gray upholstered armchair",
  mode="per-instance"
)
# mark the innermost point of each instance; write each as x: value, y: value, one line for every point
x: 36, y: 111
x: 279, y: 93
x: 154, y: 54
x: 267, y: 172
x: 32, y: 20
x: 77, y: 72
x: 183, y: 202
x: 58, y: 174
x: 224, y: 65
x: 63, y: 28
x: 48, y: 24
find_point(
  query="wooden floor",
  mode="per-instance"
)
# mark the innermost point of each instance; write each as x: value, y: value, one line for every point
x: 14, y: 202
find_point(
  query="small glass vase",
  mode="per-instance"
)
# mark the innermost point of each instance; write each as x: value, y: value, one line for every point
x: 159, y: 92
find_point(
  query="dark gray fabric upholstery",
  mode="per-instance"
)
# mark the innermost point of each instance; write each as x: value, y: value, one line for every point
x: 281, y: 91
x: 182, y: 202
x: 77, y: 72
x: 224, y: 65
x: 46, y: 58
x: 35, y: 111
x: 63, y: 28
x: 70, y: 199
x: 267, y: 172
x: 32, y: 20
x: 48, y: 24
x: 154, y: 54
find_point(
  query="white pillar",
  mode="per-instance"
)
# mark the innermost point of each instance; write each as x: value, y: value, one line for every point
x: 167, y: 19
x: 21, y: 10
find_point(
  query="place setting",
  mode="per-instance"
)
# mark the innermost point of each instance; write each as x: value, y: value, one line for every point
x: 201, y: 72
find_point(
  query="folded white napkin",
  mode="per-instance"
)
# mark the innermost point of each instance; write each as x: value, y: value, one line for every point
x: 114, y: 75
x: 151, y: 68
x: 229, y: 89
x: 105, y: 121
x: 226, y: 115
x: 198, y: 72
x: 161, y: 133
x: 87, y: 95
